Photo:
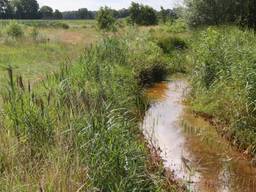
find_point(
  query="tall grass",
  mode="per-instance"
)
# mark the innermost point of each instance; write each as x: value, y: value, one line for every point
x: 223, y: 81
x: 175, y: 48
x: 14, y: 30
x: 77, y: 130
x: 39, y: 50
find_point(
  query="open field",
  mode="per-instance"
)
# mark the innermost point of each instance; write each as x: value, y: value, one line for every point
x: 33, y: 57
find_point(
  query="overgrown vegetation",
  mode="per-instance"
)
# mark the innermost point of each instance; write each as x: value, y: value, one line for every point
x: 105, y: 19
x: 223, y: 81
x: 78, y: 128
x: 14, y: 30
x: 207, y: 12
x: 142, y: 15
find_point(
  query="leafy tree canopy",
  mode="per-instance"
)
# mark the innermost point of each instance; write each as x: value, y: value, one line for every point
x: 105, y: 19
x: 46, y: 12
x: 142, y: 14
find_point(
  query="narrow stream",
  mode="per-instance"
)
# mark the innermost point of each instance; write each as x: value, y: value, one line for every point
x: 191, y: 148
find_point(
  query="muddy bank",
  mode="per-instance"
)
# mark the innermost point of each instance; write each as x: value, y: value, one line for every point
x: 191, y: 147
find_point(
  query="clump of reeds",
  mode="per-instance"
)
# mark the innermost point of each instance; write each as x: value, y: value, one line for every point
x: 223, y: 81
x: 81, y: 122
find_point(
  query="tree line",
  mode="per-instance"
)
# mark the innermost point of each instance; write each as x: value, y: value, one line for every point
x: 29, y: 9
x: 216, y: 12
x: 84, y: 13
x: 26, y: 9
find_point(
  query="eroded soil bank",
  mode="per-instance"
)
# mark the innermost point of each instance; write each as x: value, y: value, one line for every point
x: 190, y: 147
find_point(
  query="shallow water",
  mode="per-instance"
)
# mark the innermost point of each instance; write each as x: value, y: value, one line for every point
x: 191, y: 147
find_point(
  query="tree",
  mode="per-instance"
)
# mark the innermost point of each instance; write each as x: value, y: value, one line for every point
x: 149, y: 16
x: 122, y: 13
x: 215, y: 12
x: 105, y: 19
x: 80, y: 14
x: 57, y: 14
x: 6, y: 10
x: 163, y: 15
x: 142, y: 14
x: 26, y: 9
x: 46, y: 12
x: 248, y: 16
x: 3, y: 6
x: 135, y: 13
x: 84, y: 13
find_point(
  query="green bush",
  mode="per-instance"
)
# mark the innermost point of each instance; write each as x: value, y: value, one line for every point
x: 14, y: 30
x: 152, y: 74
x: 105, y: 19
x: 177, y: 26
x: 142, y: 14
x: 62, y: 25
x: 171, y: 43
x: 146, y: 58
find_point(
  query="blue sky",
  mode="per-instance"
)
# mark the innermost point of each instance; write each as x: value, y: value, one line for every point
x: 64, y: 5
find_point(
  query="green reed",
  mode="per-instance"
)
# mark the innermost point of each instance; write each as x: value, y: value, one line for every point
x: 78, y: 129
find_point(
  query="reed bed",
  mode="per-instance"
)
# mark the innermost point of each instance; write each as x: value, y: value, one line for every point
x: 223, y: 82
x: 77, y: 130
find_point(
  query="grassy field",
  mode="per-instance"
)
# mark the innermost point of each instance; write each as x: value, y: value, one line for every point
x: 77, y: 128
x: 34, y: 56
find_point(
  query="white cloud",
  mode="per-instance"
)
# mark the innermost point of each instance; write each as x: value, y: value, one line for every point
x: 64, y: 5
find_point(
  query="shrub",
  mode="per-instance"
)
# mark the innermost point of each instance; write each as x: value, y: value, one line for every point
x: 105, y: 19
x: 14, y: 30
x: 63, y: 25
x: 171, y: 43
x: 177, y: 26
x: 142, y: 15
x: 152, y: 74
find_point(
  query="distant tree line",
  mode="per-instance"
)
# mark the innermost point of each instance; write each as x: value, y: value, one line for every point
x: 84, y: 13
x: 137, y: 13
x: 26, y: 9
x: 29, y: 9
x: 209, y: 12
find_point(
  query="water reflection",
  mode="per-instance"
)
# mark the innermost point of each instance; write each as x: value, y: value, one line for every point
x: 191, y: 148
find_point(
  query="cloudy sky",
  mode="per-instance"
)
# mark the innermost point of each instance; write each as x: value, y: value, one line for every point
x: 65, y: 5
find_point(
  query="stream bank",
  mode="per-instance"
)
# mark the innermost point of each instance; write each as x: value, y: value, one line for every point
x: 190, y: 147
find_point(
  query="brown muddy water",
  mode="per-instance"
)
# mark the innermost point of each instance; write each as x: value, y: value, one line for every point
x: 190, y: 147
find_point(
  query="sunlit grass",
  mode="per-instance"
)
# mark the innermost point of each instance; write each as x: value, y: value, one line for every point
x: 78, y: 129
